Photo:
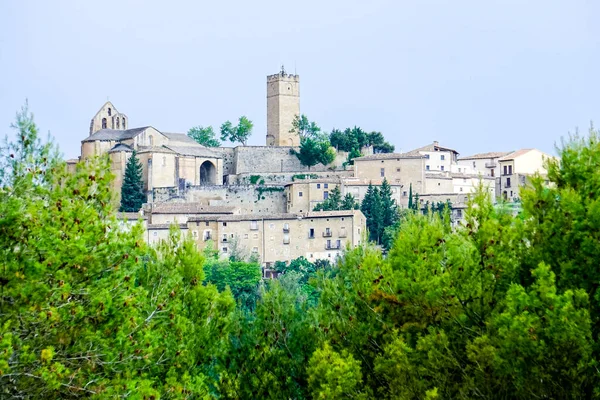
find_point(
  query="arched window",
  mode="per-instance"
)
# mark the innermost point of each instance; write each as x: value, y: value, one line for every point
x: 117, y: 123
x: 103, y: 123
x: 151, y: 140
x: 109, y: 111
x: 123, y: 122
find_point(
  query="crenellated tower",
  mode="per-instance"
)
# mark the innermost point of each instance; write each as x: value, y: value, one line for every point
x: 283, y: 104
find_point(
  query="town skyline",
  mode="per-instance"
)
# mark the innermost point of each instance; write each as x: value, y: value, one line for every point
x: 509, y: 81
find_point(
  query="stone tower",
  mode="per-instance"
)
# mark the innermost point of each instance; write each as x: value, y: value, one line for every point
x: 283, y: 104
x: 108, y: 118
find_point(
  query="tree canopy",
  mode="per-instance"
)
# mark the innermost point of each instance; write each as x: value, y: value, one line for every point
x: 132, y: 190
x: 237, y: 133
x: 204, y: 136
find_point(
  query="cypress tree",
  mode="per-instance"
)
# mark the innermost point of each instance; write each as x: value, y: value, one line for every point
x: 410, y: 198
x: 389, y: 208
x: 132, y: 191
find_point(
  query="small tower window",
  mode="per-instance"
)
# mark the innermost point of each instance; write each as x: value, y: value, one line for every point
x: 109, y: 111
x: 103, y: 123
x: 151, y: 139
x: 123, y: 122
x: 117, y: 123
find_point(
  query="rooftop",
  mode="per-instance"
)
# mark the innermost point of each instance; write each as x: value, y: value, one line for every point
x: 388, y: 156
x: 515, y: 154
x: 115, y: 134
x: 435, y: 146
x: 491, y: 154
x: 270, y: 217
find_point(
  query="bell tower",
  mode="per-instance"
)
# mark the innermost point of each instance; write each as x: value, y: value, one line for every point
x: 283, y: 104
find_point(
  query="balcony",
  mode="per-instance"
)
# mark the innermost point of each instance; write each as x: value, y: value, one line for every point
x: 332, y: 246
x: 491, y: 165
x: 327, y: 233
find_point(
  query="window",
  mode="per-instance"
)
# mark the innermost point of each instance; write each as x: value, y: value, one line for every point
x: 427, y: 167
x: 123, y: 122
x: 404, y: 194
x: 253, y: 225
x: 328, y: 243
x: 325, y: 195
x: 224, y: 249
x: 338, y: 244
x: 206, y: 223
x: 327, y: 232
x: 117, y: 123
x: 382, y: 172
x: 442, y: 167
x: 326, y: 185
x: 427, y: 156
x: 473, y: 164
x: 224, y: 239
x: 286, y: 239
x: 511, y: 193
x: 508, y: 183
x: 397, y: 169
x: 299, y: 194
x: 103, y: 123
x: 318, y: 186
x: 311, y: 233
x: 505, y: 170
x: 492, y: 171
x: 461, y: 189
x: 256, y: 236
x: 224, y: 223
x: 155, y: 233
x: 459, y: 170
x: 195, y: 234
x: 286, y: 227
x: 151, y: 140
x: 442, y: 157
x: 510, y: 169
x: 459, y: 213
x: 465, y: 180
x: 255, y: 249
x: 109, y: 111
x: 245, y: 236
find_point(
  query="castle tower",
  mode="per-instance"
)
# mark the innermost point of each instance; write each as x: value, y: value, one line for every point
x: 283, y: 104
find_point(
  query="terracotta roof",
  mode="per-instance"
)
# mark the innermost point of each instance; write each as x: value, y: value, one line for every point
x: 491, y: 154
x: 190, y: 208
x: 388, y: 156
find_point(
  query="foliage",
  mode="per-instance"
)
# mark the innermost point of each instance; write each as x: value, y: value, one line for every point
x: 335, y: 202
x: 87, y: 309
x: 380, y: 209
x: 304, y: 128
x: 334, y: 376
x: 254, y: 179
x: 132, y: 190
x: 352, y: 140
x: 304, y: 176
x: 237, y: 133
x: 267, y: 189
x: 315, y: 150
x: 204, y: 136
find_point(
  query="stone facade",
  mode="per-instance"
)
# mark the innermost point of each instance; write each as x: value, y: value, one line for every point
x: 108, y: 118
x: 517, y: 168
x: 282, y: 237
x: 283, y: 104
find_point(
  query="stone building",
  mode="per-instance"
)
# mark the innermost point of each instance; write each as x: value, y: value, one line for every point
x: 283, y: 104
x: 108, y: 118
x: 516, y: 169
x: 281, y: 237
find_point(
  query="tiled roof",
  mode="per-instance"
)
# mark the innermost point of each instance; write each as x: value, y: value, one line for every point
x: 155, y: 149
x: 471, y: 176
x: 191, y: 208
x: 180, y: 137
x: 269, y: 217
x: 492, y: 154
x: 388, y: 156
x: 194, y: 150
x: 115, y: 134
x: 431, y: 147
x: 515, y: 154
x: 164, y: 226
x: 367, y: 182
x: 120, y: 147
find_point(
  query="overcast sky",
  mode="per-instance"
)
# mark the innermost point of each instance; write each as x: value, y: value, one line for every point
x: 478, y: 75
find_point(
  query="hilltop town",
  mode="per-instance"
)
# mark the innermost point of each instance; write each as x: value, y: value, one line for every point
x: 262, y: 198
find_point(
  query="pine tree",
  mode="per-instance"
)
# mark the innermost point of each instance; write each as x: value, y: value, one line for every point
x: 389, y: 207
x: 132, y: 191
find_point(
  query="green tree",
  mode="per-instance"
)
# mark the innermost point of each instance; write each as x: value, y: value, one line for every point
x: 132, y: 190
x: 314, y: 151
x: 305, y: 128
x: 88, y: 309
x: 238, y: 133
x: 349, y: 203
x: 410, y: 198
x: 204, y: 136
x: 333, y: 201
x: 390, y: 208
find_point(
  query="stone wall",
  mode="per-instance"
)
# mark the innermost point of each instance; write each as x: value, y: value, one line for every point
x: 256, y: 199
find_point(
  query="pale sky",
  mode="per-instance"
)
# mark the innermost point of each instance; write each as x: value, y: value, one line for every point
x: 476, y: 75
